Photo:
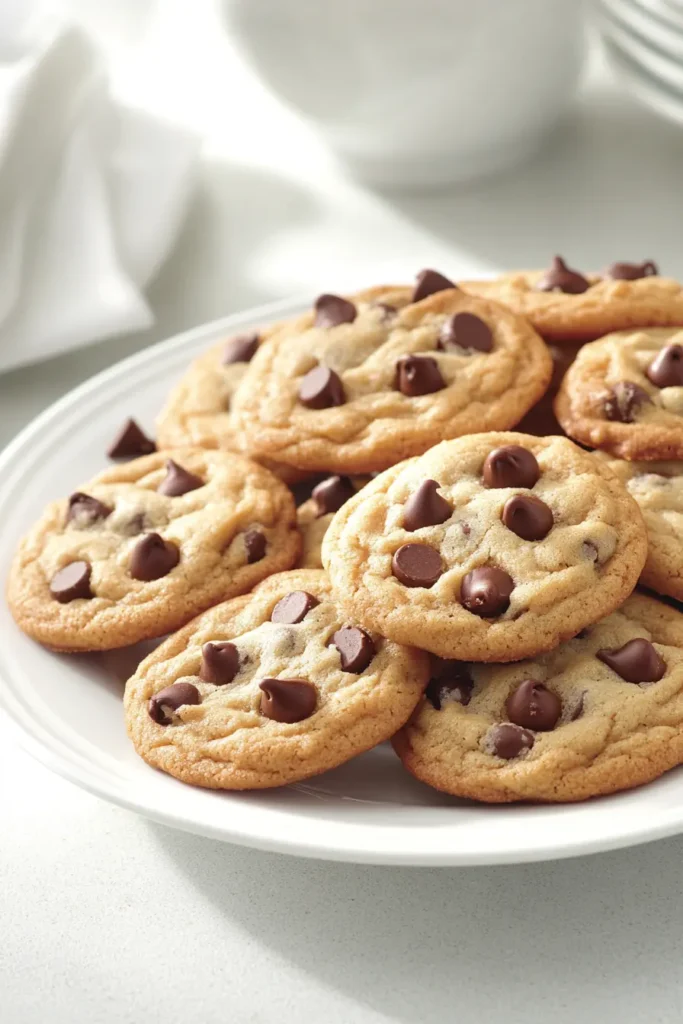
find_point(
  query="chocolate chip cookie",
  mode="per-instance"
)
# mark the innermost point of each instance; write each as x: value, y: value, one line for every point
x: 564, y: 304
x: 270, y: 688
x: 602, y: 712
x: 624, y: 393
x: 358, y: 384
x: 491, y: 547
x: 142, y: 548
x: 315, y: 514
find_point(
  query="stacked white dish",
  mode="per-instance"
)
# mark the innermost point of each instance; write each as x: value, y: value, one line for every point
x: 644, y: 42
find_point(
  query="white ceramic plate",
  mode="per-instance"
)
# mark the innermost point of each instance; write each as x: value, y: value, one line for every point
x: 67, y: 709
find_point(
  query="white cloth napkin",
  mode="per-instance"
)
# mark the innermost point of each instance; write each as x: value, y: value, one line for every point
x: 92, y: 193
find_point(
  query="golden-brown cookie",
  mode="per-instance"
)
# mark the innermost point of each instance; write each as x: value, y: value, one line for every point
x: 315, y: 514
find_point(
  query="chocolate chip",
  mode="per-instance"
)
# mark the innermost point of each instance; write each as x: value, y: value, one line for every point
x: 321, y: 388
x: 130, y: 442
x: 486, y: 591
x: 425, y: 507
x: 356, y: 648
x: 510, y: 466
x: 666, y: 369
x: 86, y: 510
x: 450, y: 681
x: 71, y: 582
x: 178, y: 481
x: 636, y: 662
x: 624, y: 400
x: 331, y: 494
x: 416, y: 565
x: 153, y: 557
x: 630, y: 271
x: 418, y: 375
x: 220, y: 662
x: 254, y: 545
x: 465, y: 331
x: 163, y: 704
x: 241, y: 349
x: 287, y: 700
x: 332, y: 310
x: 534, y: 706
x: 510, y: 741
x: 293, y: 607
x: 528, y: 517
x: 561, y: 278
x: 428, y: 283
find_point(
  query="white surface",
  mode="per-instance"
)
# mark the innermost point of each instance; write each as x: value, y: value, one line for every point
x: 367, y: 811
x: 107, y: 919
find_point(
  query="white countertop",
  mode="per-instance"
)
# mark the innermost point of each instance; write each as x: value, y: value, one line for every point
x: 109, y: 919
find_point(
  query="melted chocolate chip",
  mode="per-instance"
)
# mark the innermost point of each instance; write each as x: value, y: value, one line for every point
x: 287, y: 700
x: 71, y: 582
x: 86, y: 510
x: 666, y: 369
x: 241, y: 349
x: 450, y: 681
x: 331, y: 494
x: 636, y: 662
x: 178, y: 481
x: 561, y: 278
x: 164, y: 703
x: 153, y: 557
x: 428, y: 283
x: 416, y: 565
x: 293, y: 608
x: 528, y: 517
x: 534, y: 706
x: 254, y: 545
x: 425, y: 507
x: 465, y: 331
x: 510, y: 741
x: 130, y: 442
x: 321, y: 388
x: 630, y: 271
x: 486, y: 591
x: 220, y: 662
x: 332, y: 310
x: 418, y: 375
x: 356, y: 648
x: 510, y: 466
x: 624, y: 400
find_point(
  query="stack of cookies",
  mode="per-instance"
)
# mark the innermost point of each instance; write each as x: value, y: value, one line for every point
x: 461, y: 587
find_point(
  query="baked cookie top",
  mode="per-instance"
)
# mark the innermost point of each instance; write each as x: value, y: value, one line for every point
x: 140, y: 549
x: 270, y: 688
x: 624, y: 393
x: 359, y: 383
x: 315, y: 514
x: 490, y: 547
x: 600, y: 713
x: 658, y: 489
x: 565, y: 305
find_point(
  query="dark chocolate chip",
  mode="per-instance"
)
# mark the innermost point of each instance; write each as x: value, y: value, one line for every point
x: 666, y: 369
x: 428, y: 283
x: 162, y: 705
x: 356, y: 648
x: 486, y: 591
x: 130, y: 442
x: 331, y: 494
x: 287, y: 700
x: 321, y: 388
x: 534, y: 706
x: 293, y: 607
x: 510, y: 466
x: 153, y: 557
x: 630, y: 271
x: 71, y: 582
x: 624, y: 400
x: 332, y: 310
x: 241, y: 349
x: 450, y: 681
x: 418, y: 375
x: 561, y: 278
x: 425, y: 507
x: 636, y: 662
x: 86, y: 510
x: 254, y: 545
x: 528, y: 517
x: 178, y: 481
x: 416, y: 565
x: 465, y: 331
x: 510, y: 740
x: 220, y: 662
